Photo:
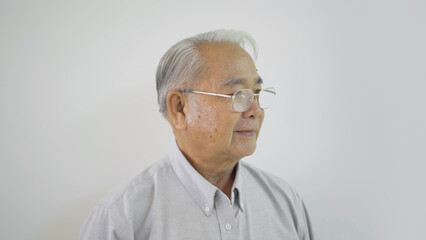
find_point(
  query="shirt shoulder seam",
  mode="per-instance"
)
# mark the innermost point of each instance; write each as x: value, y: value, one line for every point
x: 130, y: 184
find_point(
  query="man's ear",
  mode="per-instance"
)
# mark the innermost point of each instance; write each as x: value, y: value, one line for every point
x: 175, y: 109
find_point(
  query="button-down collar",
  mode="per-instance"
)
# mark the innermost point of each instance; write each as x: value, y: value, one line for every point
x: 201, y: 190
x: 237, y: 189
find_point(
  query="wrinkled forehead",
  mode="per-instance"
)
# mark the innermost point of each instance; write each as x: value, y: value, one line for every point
x: 228, y: 65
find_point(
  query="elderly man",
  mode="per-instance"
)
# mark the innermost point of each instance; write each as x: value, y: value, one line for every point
x: 211, y: 94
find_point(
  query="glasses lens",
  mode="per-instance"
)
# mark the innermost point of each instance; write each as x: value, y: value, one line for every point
x: 242, y: 100
x: 266, y: 97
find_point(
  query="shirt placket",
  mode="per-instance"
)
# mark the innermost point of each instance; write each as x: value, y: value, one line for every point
x: 225, y: 215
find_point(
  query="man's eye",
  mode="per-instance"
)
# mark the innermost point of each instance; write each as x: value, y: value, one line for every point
x: 257, y: 91
x: 233, y: 92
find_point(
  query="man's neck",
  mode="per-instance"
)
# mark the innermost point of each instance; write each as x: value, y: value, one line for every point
x: 222, y: 179
x: 220, y: 175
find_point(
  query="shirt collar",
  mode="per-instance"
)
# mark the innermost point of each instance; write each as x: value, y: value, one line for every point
x: 237, y: 189
x: 201, y: 190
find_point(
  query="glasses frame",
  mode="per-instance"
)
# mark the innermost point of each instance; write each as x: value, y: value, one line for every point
x: 232, y: 96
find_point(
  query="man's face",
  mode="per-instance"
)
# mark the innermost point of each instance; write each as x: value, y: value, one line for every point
x: 214, y: 129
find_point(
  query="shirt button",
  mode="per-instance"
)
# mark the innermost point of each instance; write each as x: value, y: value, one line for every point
x: 207, y: 209
x: 228, y: 226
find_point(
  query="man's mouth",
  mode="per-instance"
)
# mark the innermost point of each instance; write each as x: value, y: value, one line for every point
x: 247, y: 133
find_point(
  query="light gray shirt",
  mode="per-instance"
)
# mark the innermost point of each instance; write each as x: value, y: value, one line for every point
x: 171, y: 200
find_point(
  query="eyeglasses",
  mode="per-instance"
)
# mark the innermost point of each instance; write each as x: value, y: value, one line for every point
x: 243, y: 99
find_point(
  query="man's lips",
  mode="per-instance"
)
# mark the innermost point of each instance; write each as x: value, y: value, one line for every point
x: 246, y: 132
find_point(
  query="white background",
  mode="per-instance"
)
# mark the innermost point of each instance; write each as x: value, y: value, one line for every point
x: 78, y: 111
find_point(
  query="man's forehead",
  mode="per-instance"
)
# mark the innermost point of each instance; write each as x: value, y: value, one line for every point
x: 228, y: 65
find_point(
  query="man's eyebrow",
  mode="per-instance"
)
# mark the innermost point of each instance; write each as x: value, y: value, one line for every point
x: 242, y: 81
x: 235, y: 81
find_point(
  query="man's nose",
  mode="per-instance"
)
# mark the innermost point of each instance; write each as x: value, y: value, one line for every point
x: 254, y: 110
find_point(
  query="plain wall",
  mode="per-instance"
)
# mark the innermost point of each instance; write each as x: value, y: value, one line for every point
x: 78, y: 110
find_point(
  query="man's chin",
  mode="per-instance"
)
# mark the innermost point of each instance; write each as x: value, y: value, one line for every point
x: 245, y: 150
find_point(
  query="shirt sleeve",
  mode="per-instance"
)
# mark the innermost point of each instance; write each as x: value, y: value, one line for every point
x: 305, y: 228
x: 98, y: 225
x: 308, y: 227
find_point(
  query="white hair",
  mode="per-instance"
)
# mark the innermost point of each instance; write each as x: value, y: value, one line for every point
x: 183, y: 62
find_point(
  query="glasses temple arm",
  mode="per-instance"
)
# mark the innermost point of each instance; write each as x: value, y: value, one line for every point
x: 205, y: 93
